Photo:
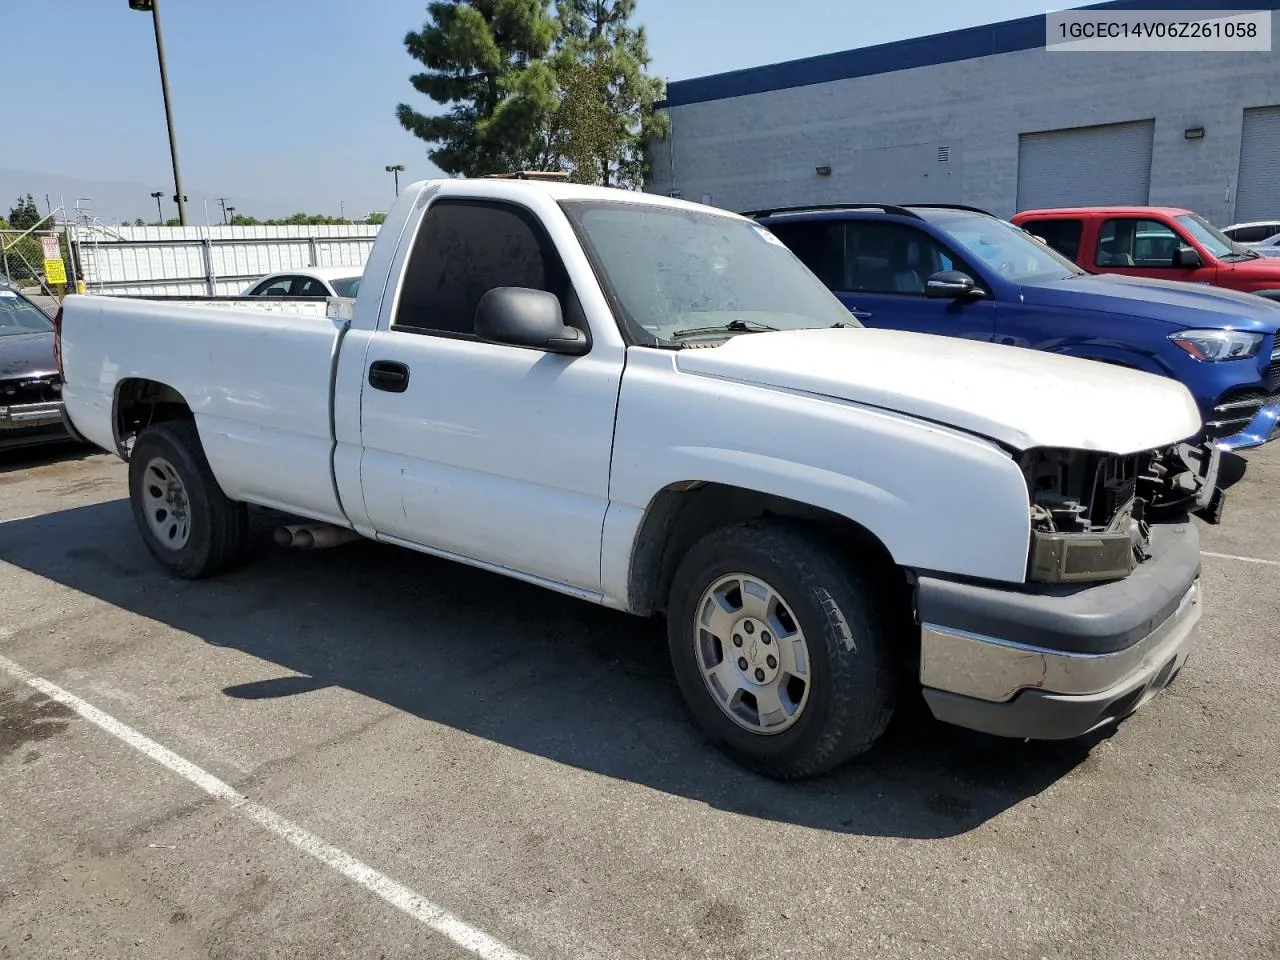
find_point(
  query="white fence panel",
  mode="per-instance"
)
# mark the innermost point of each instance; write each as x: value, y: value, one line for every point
x: 208, y: 261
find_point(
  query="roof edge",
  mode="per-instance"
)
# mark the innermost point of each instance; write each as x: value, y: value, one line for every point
x: 968, y: 43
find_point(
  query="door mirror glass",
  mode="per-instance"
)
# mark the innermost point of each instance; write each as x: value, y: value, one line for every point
x: 1185, y: 258
x: 522, y: 317
x: 951, y: 285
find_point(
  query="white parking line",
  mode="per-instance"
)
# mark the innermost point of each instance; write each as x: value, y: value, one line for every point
x: 397, y: 894
x: 1232, y: 556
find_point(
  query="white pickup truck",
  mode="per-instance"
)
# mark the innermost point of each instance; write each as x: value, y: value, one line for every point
x: 654, y: 406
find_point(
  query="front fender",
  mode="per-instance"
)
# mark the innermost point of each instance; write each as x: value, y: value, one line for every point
x: 937, y: 498
x: 1120, y: 356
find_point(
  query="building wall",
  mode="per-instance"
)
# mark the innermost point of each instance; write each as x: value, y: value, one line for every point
x: 880, y: 134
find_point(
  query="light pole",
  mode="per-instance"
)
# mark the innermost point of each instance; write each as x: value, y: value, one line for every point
x: 153, y: 7
x: 232, y: 211
x: 222, y: 202
x: 159, y: 210
x: 395, y: 170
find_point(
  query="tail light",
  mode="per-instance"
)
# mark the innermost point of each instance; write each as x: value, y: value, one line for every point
x: 57, y: 342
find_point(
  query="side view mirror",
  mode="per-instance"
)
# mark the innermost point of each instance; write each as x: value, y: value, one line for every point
x: 523, y: 317
x: 1185, y: 258
x: 952, y: 285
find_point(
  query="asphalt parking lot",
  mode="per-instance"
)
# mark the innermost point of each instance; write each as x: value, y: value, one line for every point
x: 424, y: 760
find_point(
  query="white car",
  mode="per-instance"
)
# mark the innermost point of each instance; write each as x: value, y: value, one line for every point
x: 1253, y: 232
x: 654, y: 406
x: 309, y: 282
x: 1268, y: 248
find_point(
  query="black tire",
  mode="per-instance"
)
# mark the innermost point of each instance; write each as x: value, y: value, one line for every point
x: 218, y: 525
x: 849, y: 629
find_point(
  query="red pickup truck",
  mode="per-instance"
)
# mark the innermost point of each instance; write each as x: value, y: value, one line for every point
x: 1166, y: 243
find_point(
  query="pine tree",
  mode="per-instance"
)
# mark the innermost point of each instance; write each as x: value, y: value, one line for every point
x: 605, y: 116
x: 486, y: 62
x: 25, y: 214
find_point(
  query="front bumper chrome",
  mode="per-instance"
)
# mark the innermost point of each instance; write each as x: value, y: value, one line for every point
x: 995, y: 670
x: 1052, y: 662
x: 25, y: 415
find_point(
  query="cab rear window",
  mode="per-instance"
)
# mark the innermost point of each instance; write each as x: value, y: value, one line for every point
x: 1061, y: 235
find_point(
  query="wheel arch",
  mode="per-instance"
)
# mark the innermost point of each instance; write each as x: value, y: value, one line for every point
x: 140, y: 402
x: 682, y: 513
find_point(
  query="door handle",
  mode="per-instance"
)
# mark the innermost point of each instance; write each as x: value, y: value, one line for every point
x: 860, y: 314
x: 389, y: 375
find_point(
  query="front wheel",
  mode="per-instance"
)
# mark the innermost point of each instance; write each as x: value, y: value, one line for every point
x: 190, y: 526
x: 782, y: 649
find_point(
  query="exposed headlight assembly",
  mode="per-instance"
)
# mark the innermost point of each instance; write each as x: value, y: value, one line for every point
x: 1077, y: 557
x: 1214, y: 345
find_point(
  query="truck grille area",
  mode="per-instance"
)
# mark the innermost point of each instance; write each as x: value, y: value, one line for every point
x: 1074, y: 491
x: 15, y: 393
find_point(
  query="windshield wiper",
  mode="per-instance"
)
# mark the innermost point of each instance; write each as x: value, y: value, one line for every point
x: 733, y: 326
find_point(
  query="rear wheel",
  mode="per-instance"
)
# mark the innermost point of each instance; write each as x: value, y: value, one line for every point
x: 781, y: 648
x: 190, y: 526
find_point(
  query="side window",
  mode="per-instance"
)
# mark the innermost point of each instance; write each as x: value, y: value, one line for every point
x: 1137, y: 243
x: 891, y: 258
x: 1248, y: 234
x: 310, y: 287
x: 279, y: 287
x: 463, y: 250
x: 819, y: 244
x: 1061, y: 235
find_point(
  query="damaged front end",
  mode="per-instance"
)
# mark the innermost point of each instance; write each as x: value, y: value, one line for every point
x: 1090, y: 512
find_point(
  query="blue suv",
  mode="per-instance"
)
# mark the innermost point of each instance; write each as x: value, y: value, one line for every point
x: 961, y: 272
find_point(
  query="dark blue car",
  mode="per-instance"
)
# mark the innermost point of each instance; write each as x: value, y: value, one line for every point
x: 960, y: 272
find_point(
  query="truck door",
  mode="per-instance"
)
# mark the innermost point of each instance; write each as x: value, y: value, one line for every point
x: 1140, y: 247
x: 886, y: 267
x: 486, y: 451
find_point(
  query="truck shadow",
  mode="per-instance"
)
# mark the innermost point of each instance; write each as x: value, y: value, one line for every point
x: 522, y: 667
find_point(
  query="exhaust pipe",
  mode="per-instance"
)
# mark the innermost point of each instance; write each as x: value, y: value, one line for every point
x: 313, y: 536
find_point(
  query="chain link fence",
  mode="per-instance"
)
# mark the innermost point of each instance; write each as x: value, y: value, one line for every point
x: 37, y: 259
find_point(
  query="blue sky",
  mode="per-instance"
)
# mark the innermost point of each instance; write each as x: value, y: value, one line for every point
x: 283, y: 105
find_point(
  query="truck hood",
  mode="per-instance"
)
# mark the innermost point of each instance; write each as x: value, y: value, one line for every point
x: 1263, y: 271
x: 26, y: 356
x: 1174, y: 302
x: 1018, y: 397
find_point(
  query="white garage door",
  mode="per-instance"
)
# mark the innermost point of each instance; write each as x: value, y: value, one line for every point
x: 1258, y: 186
x: 1086, y: 166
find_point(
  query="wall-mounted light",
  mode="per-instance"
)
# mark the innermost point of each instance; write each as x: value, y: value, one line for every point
x: 824, y: 170
x: 1193, y: 133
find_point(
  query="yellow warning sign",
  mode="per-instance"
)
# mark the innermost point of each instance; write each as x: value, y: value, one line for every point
x: 55, y: 271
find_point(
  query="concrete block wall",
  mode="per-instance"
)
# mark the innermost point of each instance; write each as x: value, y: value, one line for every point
x: 880, y: 134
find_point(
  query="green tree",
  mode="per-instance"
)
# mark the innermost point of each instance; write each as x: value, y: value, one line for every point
x: 376, y: 218
x: 604, y: 118
x: 240, y: 220
x: 307, y: 220
x: 24, y: 215
x: 486, y: 63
